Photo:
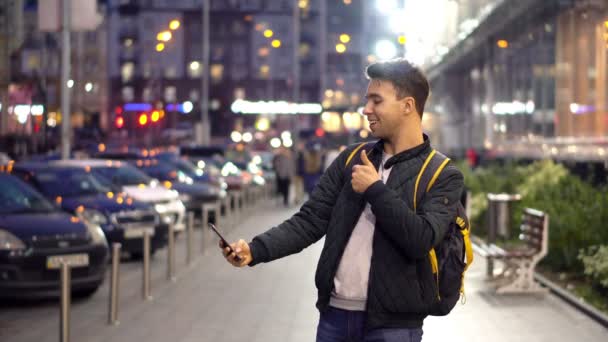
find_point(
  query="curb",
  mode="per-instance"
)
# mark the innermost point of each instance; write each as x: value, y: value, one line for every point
x: 565, y: 295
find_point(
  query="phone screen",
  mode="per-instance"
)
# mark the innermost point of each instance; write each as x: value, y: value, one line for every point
x: 224, y: 242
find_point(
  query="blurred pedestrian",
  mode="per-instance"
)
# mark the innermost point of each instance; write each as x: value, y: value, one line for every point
x: 283, y: 166
x: 374, y: 277
x: 312, y: 167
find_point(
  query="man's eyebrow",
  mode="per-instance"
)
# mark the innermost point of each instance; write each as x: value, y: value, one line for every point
x: 374, y: 95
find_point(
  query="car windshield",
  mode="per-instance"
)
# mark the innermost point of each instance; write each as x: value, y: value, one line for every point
x: 161, y: 171
x: 17, y: 197
x: 209, y: 166
x: 68, y: 183
x: 167, y: 171
x: 187, y: 168
x: 124, y: 175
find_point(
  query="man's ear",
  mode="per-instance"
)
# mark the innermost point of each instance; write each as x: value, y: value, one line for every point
x: 408, y: 105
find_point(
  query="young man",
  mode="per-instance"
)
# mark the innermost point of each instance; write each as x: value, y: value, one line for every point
x: 374, y: 278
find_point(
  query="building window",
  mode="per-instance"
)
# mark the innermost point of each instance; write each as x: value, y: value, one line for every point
x: 239, y: 93
x: 217, y: 53
x: 147, y: 94
x: 195, y: 69
x: 194, y: 96
x: 239, y: 72
x: 217, y: 72
x: 147, y: 70
x: 126, y: 71
x: 170, y: 94
x: 238, y: 28
x: 127, y: 94
x: 171, y: 72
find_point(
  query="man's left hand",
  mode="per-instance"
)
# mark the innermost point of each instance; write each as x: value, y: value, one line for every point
x: 364, y: 174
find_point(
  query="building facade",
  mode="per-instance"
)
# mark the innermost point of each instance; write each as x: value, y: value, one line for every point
x: 528, y: 80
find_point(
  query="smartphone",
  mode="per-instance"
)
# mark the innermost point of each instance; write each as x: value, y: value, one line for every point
x: 224, y: 242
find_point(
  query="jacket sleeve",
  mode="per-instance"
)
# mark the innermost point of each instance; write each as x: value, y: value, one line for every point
x: 417, y: 233
x: 306, y: 226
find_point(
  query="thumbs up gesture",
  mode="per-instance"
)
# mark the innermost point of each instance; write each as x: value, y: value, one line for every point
x: 364, y: 174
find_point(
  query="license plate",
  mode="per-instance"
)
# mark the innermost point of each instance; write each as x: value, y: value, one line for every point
x: 74, y: 260
x: 134, y: 233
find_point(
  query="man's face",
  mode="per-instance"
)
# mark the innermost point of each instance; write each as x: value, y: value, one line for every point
x: 385, y: 113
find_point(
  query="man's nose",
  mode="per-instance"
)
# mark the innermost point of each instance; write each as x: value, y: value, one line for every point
x: 367, y: 110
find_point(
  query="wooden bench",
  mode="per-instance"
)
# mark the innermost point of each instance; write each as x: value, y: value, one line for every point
x: 520, y: 261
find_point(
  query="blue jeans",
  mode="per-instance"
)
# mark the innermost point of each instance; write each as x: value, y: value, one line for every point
x: 337, y: 325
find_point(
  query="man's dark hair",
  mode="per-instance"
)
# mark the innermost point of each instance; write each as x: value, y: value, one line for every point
x: 407, y: 79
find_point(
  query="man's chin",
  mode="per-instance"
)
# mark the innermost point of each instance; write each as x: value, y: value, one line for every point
x: 375, y: 134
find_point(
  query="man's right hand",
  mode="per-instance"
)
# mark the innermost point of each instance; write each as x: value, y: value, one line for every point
x: 242, y: 250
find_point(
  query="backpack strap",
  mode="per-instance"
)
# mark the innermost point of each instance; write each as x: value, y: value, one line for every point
x: 353, y: 154
x: 430, y: 171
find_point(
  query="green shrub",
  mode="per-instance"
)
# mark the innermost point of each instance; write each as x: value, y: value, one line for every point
x: 573, y: 207
x: 595, y: 260
x: 577, y: 211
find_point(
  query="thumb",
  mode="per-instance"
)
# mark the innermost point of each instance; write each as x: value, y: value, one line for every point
x: 365, y: 160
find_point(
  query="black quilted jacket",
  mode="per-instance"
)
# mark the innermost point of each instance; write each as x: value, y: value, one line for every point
x: 401, y: 284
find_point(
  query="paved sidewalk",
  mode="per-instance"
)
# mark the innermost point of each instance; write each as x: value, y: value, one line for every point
x: 212, y: 301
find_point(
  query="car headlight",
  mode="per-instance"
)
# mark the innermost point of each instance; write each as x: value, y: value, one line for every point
x: 160, y: 208
x: 184, y: 197
x: 9, y: 242
x: 97, y: 235
x: 93, y: 216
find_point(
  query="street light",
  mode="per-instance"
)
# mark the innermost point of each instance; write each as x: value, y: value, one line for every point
x: 276, y: 43
x: 160, y: 47
x: 344, y: 38
x: 268, y: 33
x: 174, y: 24
x: 195, y: 66
x: 164, y: 36
x: 340, y: 48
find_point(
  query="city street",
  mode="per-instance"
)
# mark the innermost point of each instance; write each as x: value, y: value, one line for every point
x: 212, y: 301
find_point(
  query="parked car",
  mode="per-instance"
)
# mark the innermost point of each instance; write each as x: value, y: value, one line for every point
x: 121, y: 176
x: 194, y: 195
x: 36, y: 236
x: 179, y: 175
x: 122, y: 218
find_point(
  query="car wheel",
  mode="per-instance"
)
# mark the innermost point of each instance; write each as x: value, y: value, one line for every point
x: 86, y: 292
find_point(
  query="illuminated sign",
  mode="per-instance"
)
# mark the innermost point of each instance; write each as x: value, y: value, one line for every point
x: 275, y: 107
x: 511, y: 108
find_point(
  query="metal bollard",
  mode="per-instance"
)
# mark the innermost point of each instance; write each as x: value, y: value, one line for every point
x: 217, y: 208
x: 236, y: 212
x: 146, y: 283
x: 171, y: 254
x: 66, y: 293
x: 204, y: 222
x: 189, y: 235
x: 114, y: 281
x: 204, y: 216
x: 228, y: 209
